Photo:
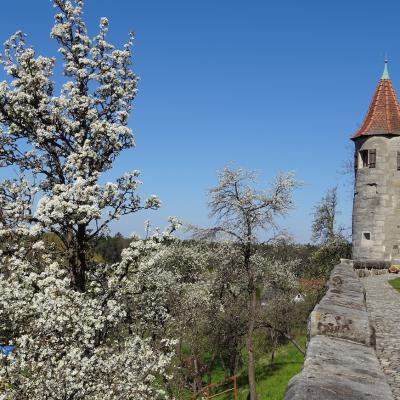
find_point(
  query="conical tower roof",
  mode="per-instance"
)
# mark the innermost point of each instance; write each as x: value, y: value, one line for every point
x: 383, y: 117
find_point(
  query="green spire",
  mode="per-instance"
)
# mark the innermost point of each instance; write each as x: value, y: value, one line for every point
x: 385, y: 74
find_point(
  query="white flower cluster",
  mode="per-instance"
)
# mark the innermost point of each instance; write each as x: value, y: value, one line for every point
x: 76, y: 203
x: 92, y: 345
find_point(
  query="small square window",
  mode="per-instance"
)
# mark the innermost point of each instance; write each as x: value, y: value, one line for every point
x: 366, y: 239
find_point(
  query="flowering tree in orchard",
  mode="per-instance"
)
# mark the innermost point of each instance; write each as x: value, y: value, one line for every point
x: 242, y: 212
x: 80, y: 330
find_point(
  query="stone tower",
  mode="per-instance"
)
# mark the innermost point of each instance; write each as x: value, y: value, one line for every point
x: 376, y: 205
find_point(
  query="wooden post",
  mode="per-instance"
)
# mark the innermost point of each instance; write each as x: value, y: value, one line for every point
x: 235, y: 391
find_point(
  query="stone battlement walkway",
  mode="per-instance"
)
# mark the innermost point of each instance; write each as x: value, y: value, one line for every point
x: 383, y: 304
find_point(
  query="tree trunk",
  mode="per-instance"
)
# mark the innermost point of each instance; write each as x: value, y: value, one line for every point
x: 274, y: 345
x: 226, y: 370
x: 237, y: 359
x: 197, y: 384
x: 78, y: 259
x: 210, y: 369
x: 250, y: 347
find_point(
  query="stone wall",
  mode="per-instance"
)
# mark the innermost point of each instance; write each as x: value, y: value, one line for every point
x: 365, y: 268
x: 340, y: 362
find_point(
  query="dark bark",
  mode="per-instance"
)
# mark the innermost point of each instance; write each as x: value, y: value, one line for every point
x: 250, y: 347
x: 274, y: 345
x: 78, y: 260
x: 197, y: 384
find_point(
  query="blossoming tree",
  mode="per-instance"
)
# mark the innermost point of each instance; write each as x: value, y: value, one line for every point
x: 242, y: 212
x: 80, y: 330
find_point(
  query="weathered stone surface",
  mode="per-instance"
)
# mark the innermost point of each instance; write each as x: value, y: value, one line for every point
x: 339, y: 322
x: 336, y: 369
x: 341, y: 362
x: 342, y: 312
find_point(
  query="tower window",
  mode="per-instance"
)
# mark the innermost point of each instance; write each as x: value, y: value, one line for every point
x: 371, y: 158
x: 368, y: 158
x: 366, y: 239
x: 364, y: 158
x: 398, y: 161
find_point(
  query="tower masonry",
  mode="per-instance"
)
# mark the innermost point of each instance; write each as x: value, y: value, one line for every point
x: 376, y: 204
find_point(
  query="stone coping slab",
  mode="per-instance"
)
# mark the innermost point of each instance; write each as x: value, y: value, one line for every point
x: 336, y: 369
x: 342, y: 311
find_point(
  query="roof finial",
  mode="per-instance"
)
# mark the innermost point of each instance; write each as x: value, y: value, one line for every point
x: 385, y: 74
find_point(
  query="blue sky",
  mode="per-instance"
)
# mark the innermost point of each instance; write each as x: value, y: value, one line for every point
x: 272, y: 86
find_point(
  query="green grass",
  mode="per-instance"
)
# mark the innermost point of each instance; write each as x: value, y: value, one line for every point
x: 395, y: 283
x: 271, y: 380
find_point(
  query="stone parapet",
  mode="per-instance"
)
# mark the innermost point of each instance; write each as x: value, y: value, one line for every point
x: 372, y: 264
x: 340, y: 362
x: 365, y: 268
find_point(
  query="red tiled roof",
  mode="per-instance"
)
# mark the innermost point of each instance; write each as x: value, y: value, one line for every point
x: 383, y: 117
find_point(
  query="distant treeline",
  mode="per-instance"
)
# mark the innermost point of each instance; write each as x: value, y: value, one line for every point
x: 108, y: 249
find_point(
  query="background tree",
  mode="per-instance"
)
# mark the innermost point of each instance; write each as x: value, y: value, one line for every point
x: 324, y: 227
x: 242, y: 212
x: 331, y: 240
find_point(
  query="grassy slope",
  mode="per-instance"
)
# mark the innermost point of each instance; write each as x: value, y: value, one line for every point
x: 395, y: 283
x: 271, y: 381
